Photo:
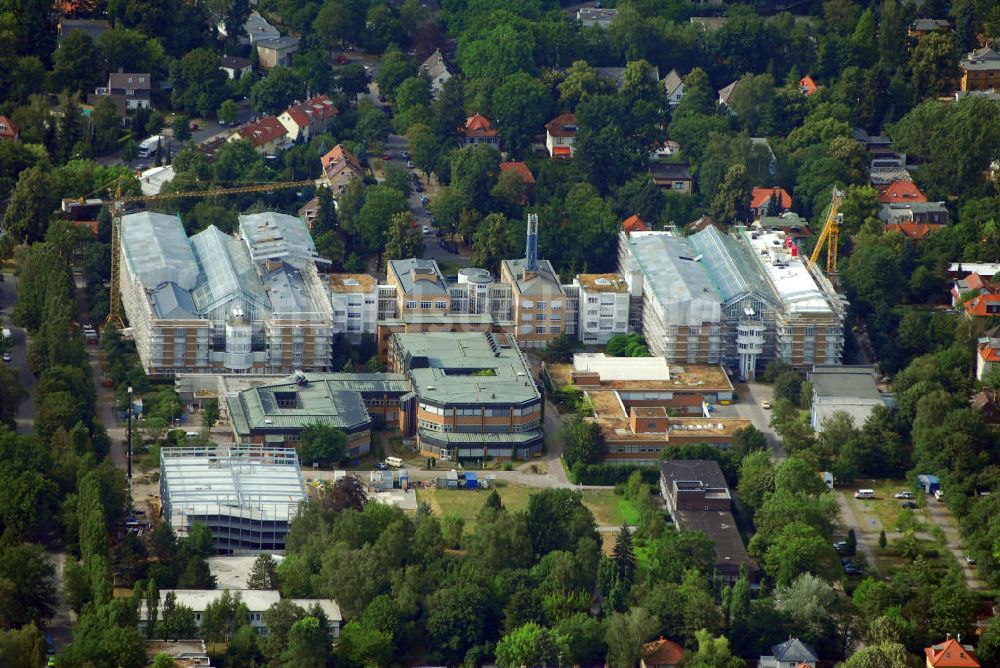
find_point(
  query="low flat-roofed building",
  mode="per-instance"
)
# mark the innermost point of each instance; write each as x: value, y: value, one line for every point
x: 475, y: 396
x: 594, y: 16
x: 698, y: 499
x: 232, y: 572
x: 246, y: 495
x: 850, y: 389
x: 185, y: 653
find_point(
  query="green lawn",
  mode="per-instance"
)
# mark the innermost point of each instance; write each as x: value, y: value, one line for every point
x: 885, y: 506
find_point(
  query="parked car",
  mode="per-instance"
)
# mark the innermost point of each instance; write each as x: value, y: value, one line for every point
x: 7, y: 357
x: 424, y: 200
x: 381, y: 466
x: 404, y: 154
x: 426, y: 230
x: 971, y: 560
x: 409, y: 163
x: 840, y: 546
x: 417, y: 187
x: 341, y: 59
x: 765, y: 404
x: 904, y: 495
x: 853, y: 570
x: 386, y: 156
x: 194, y: 125
x: 908, y: 504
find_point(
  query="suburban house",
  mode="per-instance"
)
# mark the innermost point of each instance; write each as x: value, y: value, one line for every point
x: 726, y: 94
x: 235, y: 67
x: 436, y: 71
x: 793, y: 653
x: 267, y: 135
x: 129, y: 90
x: 973, y: 282
x: 522, y: 170
x: 673, y: 84
x: 913, y: 231
x: 634, y: 224
x: 983, y: 306
x: 340, y: 167
x: 308, y: 211
x: 477, y: 130
x: 560, y: 135
x: 673, y: 176
x: 950, y: 654
x: 595, y: 16
x: 851, y: 389
x: 661, y: 653
x: 988, y: 353
x: 698, y: 499
x: 312, y: 117
x: 980, y: 70
x: 255, y: 29
x: 902, y: 191
x: 933, y: 213
x: 807, y: 86
x: 987, y: 404
x: 769, y: 201
x: 277, y: 51
x: 8, y: 131
x: 923, y: 27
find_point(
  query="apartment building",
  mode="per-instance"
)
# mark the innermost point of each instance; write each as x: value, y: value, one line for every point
x: 737, y: 300
x: 980, y: 70
x: 602, y: 307
x: 354, y: 298
x: 215, y: 303
x: 475, y: 396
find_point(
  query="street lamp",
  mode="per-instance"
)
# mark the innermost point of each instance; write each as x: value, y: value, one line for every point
x: 128, y: 439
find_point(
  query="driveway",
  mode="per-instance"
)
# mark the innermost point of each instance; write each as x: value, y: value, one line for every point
x: 940, y: 514
x: 866, y: 529
x: 748, y: 407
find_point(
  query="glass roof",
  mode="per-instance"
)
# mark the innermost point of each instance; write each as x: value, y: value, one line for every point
x: 228, y: 272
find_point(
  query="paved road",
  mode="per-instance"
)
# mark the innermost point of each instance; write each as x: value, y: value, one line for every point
x: 748, y: 406
x: 19, y: 353
x: 940, y: 514
x: 867, y: 535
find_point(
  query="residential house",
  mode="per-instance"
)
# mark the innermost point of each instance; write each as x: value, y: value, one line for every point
x: 923, y: 27
x: 673, y: 85
x: 701, y: 223
x: 235, y: 67
x: 267, y: 135
x: 984, y: 269
x: 791, y: 223
x: 987, y: 404
x: 988, y: 353
x: 673, y: 176
x: 950, y: 654
x: 8, y: 131
x: 698, y: 498
x: 661, y: 653
x: 307, y: 212
x: 792, y: 653
x: 933, y: 213
x: 522, y: 170
x: 634, y: 224
x: 980, y: 70
x: 983, y: 306
x: 972, y: 282
x: 435, y: 69
x: 208, y: 148
x: 340, y: 167
x: 881, y: 178
x: 708, y: 23
x: 913, y: 231
x: 769, y: 201
x: 807, y: 86
x: 93, y: 28
x: 560, y: 135
x: 310, y: 118
x: 595, y: 16
x: 255, y: 30
x: 664, y: 150
x: 902, y: 191
x: 128, y: 90
x: 478, y: 130
x: 851, y: 389
x: 726, y: 94
x: 277, y: 51
x: 768, y: 154
x: 190, y: 653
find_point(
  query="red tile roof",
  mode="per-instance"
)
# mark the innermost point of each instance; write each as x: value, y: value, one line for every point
x: 760, y: 196
x: 563, y: 125
x: 313, y: 112
x: 478, y: 126
x: 662, y: 652
x: 950, y: 654
x: 7, y: 129
x: 337, y: 159
x: 807, y: 85
x: 978, y: 306
x: 634, y: 224
x: 915, y: 231
x: 519, y: 168
x: 263, y: 131
x: 989, y: 353
x: 902, y: 191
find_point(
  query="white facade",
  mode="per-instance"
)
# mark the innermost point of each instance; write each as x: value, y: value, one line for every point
x: 603, y: 307
x: 355, y: 306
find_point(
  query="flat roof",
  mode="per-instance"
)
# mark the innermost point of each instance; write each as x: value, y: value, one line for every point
x: 720, y: 527
x: 294, y: 402
x: 240, y: 481
x: 622, y: 368
x: 232, y: 572
x: 705, y: 378
x: 602, y: 282
x: 610, y: 414
x: 466, y: 368
x: 351, y: 282
x: 851, y: 381
x: 795, y: 286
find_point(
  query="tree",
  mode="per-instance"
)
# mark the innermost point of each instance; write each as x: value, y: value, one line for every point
x: 381, y: 203
x: 178, y: 619
x: 27, y: 588
x: 521, y: 105
x: 340, y: 22
x: 330, y: 246
x: 625, y: 633
x: 224, y: 616
x: 581, y: 80
x: 181, y: 127
x: 308, y: 644
x: 624, y: 555
x: 394, y: 68
x: 403, y: 240
x: 346, y: 493
x: 32, y: 202
x: 557, y: 520
x: 798, y: 548
x: 326, y: 213
x: 531, y: 645
x: 810, y: 603
x: 582, y: 440
x: 105, y: 125
x: 235, y: 19
x: 76, y: 63
x: 276, y: 91
x: 559, y: 349
x: 264, y: 573
x: 491, y: 242
x: 227, y: 112
x: 353, y: 80
x: 712, y: 653
x: 22, y: 647
x: 323, y: 444
x: 934, y: 65
x: 209, y: 414
x: 199, y: 84
x: 731, y: 203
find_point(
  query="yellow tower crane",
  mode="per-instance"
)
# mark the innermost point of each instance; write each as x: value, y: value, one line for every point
x: 115, y: 318
x: 830, y: 235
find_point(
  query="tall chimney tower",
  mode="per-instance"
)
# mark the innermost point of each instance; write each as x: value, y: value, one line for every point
x: 531, y: 245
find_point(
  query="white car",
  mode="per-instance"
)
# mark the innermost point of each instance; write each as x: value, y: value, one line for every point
x: 409, y: 164
x: 7, y: 357
x: 426, y: 230
x: 904, y: 495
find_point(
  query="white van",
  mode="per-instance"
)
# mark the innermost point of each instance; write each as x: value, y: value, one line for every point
x: 394, y: 462
x: 191, y: 434
x: 864, y: 494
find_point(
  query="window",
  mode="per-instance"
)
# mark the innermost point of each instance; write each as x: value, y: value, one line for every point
x: 425, y: 304
x: 678, y: 185
x: 440, y: 304
x: 591, y: 300
x: 540, y: 316
x: 555, y: 329
x: 411, y: 304
x: 539, y: 330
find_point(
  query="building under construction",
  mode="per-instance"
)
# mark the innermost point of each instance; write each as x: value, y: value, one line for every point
x: 246, y: 495
x: 739, y: 300
x: 216, y: 303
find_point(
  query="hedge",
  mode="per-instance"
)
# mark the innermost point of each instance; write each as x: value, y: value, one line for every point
x: 610, y: 474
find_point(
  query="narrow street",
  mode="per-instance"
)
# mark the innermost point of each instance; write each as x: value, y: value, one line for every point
x: 941, y: 515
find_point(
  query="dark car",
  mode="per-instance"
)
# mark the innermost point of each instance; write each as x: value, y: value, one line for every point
x: 840, y: 546
x: 417, y: 187
x: 908, y: 504
x: 381, y: 466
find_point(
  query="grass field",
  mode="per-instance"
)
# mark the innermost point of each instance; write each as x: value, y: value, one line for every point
x: 608, y: 509
x: 885, y: 507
